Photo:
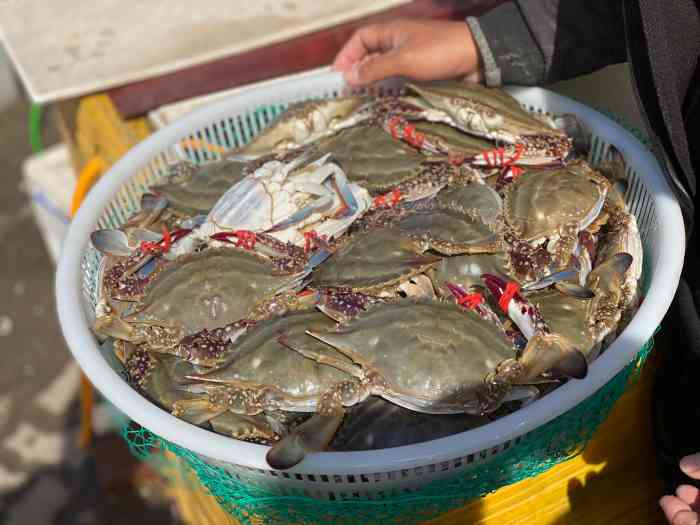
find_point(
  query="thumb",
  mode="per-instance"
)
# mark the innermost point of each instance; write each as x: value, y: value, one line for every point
x: 690, y: 465
x: 376, y: 67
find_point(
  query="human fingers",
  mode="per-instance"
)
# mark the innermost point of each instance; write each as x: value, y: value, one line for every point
x: 690, y: 495
x: 690, y: 465
x: 363, y: 42
x: 678, y: 512
x: 375, y: 67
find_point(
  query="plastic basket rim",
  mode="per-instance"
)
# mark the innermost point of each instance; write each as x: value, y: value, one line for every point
x: 82, y: 344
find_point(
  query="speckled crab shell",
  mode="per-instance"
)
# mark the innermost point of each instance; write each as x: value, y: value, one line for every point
x: 261, y: 357
x: 303, y: 123
x: 450, y: 230
x: 541, y: 204
x: 477, y: 199
x: 370, y: 157
x: 157, y: 375
x: 209, y: 289
x: 466, y: 271
x: 371, y: 262
x: 489, y: 113
x: 427, y: 356
x: 194, y: 189
x: 157, y: 378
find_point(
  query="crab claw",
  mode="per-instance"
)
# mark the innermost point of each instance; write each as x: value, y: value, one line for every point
x: 521, y: 311
x: 551, y: 352
x: 577, y: 130
x: 558, y: 279
x: 153, y: 203
x: 115, y: 327
x: 111, y: 242
x: 311, y: 436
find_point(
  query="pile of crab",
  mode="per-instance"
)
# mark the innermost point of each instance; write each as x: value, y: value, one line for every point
x: 373, y: 271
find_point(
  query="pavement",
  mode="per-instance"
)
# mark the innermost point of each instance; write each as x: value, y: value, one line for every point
x: 45, y: 478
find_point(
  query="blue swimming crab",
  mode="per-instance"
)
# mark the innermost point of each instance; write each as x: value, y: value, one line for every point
x: 491, y: 114
x: 476, y: 371
x: 304, y: 123
x: 286, y: 200
x: 544, y: 212
x: 163, y: 379
x: 373, y: 262
x: 208, y: 290
x: 390, y: 170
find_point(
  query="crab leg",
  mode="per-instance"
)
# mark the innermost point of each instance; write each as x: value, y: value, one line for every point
x: 342, y: 188
x: 343, y: 366
x: 511, y: 302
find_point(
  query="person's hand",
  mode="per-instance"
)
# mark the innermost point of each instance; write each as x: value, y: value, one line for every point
x: 684, y: 507
x: 419, y: 49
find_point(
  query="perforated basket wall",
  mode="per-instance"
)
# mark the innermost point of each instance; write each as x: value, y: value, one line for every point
x: 381, y: 493
x: 522, y: 458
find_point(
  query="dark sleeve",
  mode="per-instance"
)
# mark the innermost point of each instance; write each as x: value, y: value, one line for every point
x: 532, y: 42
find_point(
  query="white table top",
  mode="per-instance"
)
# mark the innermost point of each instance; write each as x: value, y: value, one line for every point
x: 68, y: 48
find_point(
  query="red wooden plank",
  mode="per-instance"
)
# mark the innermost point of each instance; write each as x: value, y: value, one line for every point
x: 298, y: 54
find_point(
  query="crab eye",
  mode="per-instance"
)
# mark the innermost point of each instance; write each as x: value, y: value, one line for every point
x: 492, y: 120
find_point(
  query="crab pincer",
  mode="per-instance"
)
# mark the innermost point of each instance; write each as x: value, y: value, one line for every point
x: 545, y: 350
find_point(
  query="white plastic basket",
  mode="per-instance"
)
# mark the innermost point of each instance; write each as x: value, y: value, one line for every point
x: 363, y: 474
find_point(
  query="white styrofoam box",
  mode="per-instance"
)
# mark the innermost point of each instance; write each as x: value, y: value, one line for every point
x: 49, y: 180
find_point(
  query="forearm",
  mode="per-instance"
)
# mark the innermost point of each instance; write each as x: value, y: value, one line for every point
x: 533, y: 42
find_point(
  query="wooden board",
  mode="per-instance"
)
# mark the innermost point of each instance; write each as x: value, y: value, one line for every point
x: 298, y: 54
x: 64, y: 48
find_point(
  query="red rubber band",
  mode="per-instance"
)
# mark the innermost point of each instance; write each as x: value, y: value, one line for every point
x: 470, y: 300
x: 179, y: 234
x: 395, y: 196
x: 512, y: 288
x: 516, y: 171
x: 308, y: 238
x: 167, y: 240
x: 246, y: 239
x: 394, y: 122
x: 311, y: 237
x: 519, y: 148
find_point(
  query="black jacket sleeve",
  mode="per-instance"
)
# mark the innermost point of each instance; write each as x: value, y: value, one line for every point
x: 532, y: 42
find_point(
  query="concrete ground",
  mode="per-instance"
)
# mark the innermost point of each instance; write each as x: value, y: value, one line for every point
x: 45, y: 478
